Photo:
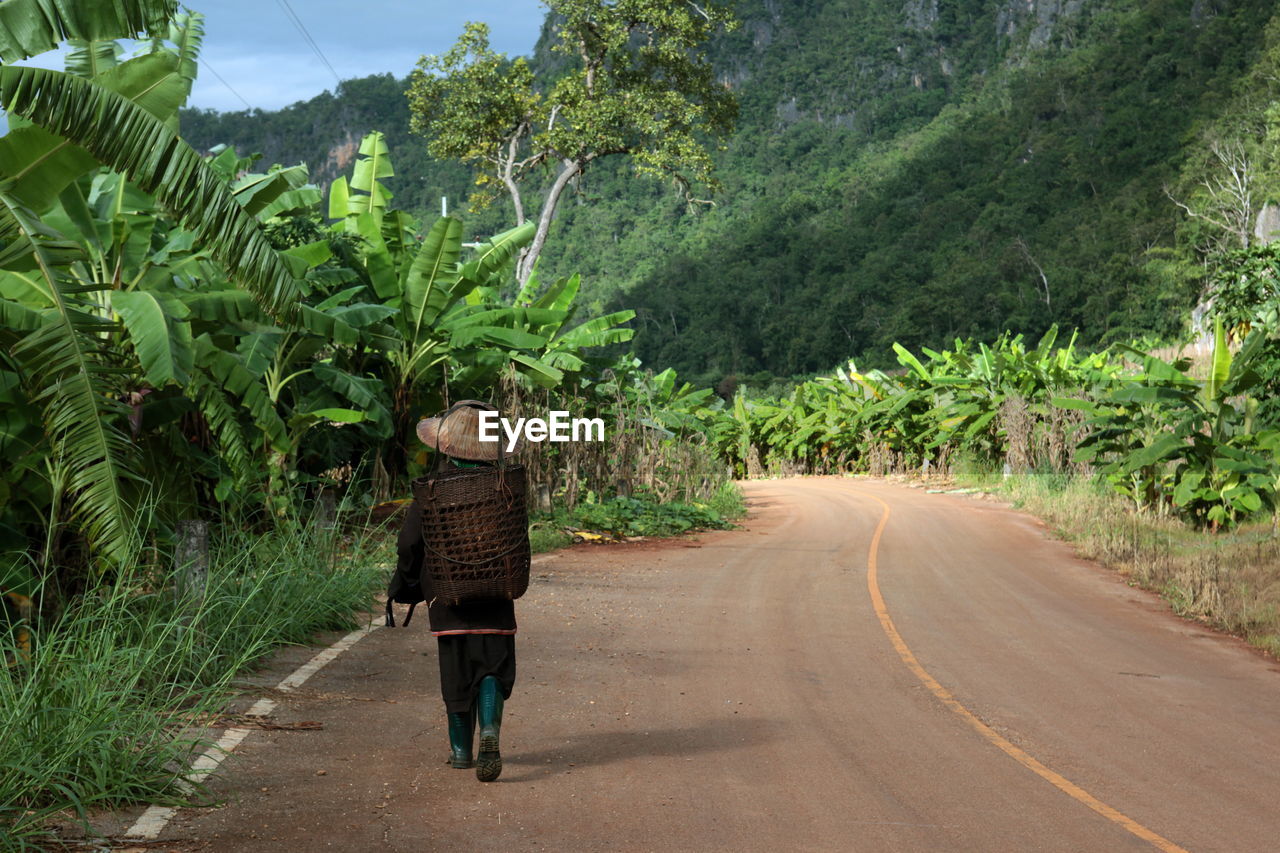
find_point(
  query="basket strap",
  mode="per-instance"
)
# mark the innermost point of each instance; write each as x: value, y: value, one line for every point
x: 391, y: 619
x: 488, y: 559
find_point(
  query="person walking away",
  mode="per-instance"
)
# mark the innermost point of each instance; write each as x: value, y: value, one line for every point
x: 476, y: 639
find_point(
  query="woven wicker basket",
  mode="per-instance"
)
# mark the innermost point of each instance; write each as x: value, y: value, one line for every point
x: 475, y: 532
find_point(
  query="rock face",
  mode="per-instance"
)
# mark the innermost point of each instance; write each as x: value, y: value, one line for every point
x: 1266, y: 227
x: 925, y: 45
x: 1042, y: 20
x: 921, y: 14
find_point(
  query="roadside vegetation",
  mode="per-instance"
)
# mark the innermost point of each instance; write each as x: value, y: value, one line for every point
x: 1167, y: 475
x: 195, y: 342
x: 107, y: 701
x: 199, y: 343
x: 1227, y: 579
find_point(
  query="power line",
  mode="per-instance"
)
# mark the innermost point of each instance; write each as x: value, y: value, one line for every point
x: 302, y: 28
x: 230, y: 89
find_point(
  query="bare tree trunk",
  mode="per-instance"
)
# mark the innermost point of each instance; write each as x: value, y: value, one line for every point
x: 1229, y: 191
x: 509, y: 178
x: 1044, y: 279
x: 516, y: 203
x: 571, y: 169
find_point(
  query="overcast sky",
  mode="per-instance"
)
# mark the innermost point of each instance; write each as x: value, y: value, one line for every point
x: 257, y: 49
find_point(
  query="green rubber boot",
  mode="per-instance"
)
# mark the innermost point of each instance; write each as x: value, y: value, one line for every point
x: 489, y: 710
x: 462, y: 729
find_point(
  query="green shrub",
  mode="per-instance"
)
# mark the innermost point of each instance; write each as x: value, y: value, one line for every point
x: 644, y: 516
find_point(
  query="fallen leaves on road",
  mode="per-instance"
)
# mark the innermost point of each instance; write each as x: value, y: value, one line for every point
x: 245, y: 721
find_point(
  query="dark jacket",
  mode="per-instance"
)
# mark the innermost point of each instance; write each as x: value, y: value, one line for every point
x: 496, y: 616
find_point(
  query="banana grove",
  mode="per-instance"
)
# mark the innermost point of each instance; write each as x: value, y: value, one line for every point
x: 1190, y: 446
x: 184, y: 337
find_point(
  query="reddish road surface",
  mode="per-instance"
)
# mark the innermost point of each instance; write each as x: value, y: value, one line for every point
x: 746, y: 691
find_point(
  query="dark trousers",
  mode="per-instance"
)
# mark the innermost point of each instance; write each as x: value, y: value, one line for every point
x: 465, y: 659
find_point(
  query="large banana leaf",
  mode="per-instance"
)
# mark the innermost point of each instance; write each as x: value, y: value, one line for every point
x: 257, y: 351
x: 465, y: 336
x: 906, y: 358
x: 1220, y: 367
x: 378, y: 263
x: 129, y: 139
x: 329, y: 326
x: 374, y: 163
x: 186, y: 31
x: 153, y: 81
x: 538, y: 370
x: 229, y: 307
x: 159, y: 334
x: 365, y: 392
x: 220, y: 414
x: 363, y: 314
x: 300, y: 200
x: 530, y: 287
x: 602, y: 331
x: 41, y: 164
x: 31, y: 27
x: 232, y: 375
x: 492, y: 257
x: 91, y: 58
x: 256, y: 192
x: 339, y: 198
x: 531, y: 319
x: 15, y: 316
x: 429, y: 287
x: 26, y: 287
x: 564, y: 361
x: 67, y: 377
x: 560, y: 295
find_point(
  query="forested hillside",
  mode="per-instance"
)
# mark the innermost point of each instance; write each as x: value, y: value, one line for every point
x: 901, y: 172
x: 325, y: 132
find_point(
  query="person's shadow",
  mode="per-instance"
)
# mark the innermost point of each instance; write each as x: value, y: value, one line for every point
x: 584, y: 749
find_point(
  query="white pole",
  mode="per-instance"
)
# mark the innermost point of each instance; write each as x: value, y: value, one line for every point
x: 444, y: 205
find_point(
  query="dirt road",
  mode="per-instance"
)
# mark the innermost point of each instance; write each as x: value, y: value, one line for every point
x: 755, y: 690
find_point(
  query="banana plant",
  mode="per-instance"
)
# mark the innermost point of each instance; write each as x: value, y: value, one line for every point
x: 78, y: 262
x: 189, y: 326
x: 1169, y: 441
x: 448, y: 328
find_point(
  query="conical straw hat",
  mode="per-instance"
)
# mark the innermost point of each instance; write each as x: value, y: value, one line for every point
x: 456, y: 433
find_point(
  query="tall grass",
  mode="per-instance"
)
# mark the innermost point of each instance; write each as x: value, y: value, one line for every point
x: 98, y: 712
x: 1229, y: 579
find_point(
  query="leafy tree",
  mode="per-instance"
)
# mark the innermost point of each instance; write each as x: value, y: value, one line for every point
x: 636, y: 82
x: 1245, y: 287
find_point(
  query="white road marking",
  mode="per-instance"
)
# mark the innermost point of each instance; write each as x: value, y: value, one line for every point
x: 311, y: 667
x: 153, y: 821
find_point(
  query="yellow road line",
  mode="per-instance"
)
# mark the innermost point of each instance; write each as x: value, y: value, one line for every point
x: 1056, y: 779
